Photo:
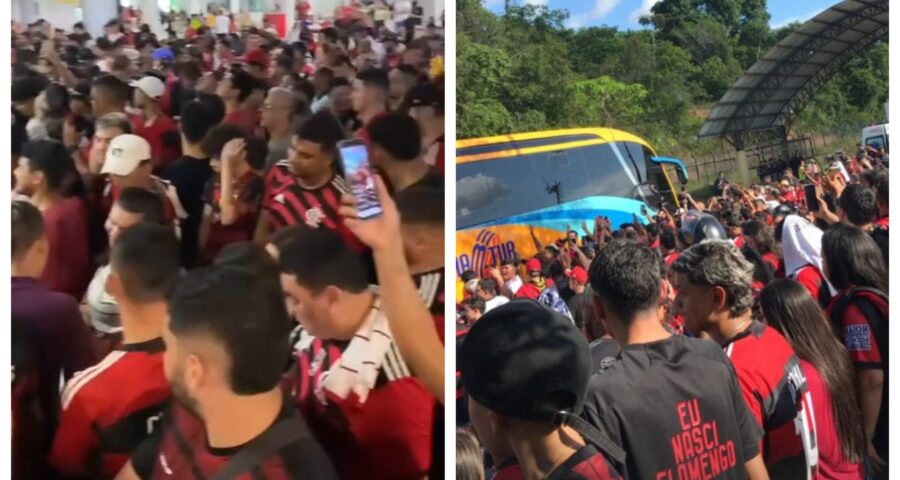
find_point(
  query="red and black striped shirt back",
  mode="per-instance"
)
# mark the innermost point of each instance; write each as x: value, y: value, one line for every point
x: 290, y: 204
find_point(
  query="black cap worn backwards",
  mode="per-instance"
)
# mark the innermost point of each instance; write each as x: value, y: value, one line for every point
x: 526, y: 361
x: 529, y: 362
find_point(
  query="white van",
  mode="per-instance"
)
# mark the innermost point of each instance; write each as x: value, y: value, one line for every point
x: 876, y: 136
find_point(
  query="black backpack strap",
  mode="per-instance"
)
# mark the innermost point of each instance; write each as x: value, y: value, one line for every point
x: 593, y: 435
x: 280, y: 435
x: 837, y: 314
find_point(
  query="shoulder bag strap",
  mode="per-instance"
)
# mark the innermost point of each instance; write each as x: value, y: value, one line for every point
x: 280, y: 435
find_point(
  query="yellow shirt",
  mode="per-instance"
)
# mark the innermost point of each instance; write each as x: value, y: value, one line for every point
x: 437, y: 67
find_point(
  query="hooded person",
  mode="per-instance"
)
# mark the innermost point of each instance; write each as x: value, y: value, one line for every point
x: 801, y: 245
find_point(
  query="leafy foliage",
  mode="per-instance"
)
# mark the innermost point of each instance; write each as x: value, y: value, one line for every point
x: 524, y: 70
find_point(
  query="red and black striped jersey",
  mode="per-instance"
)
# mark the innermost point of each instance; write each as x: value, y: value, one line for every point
x: 109, y: 409
x: 431, y: 291
x: 585, y: 464
x: 385, y: 434
x: 289, y: 204
x: 775, y: 389
x: 180, y: 450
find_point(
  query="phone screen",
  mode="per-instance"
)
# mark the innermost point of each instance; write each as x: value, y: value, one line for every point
x: 361, y: 178
x: 812, y: 201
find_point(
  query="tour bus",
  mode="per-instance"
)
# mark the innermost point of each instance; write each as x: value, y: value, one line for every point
x: 549, y: 180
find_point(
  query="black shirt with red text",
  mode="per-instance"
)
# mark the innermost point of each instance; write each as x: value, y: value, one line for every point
x: 675, y: 406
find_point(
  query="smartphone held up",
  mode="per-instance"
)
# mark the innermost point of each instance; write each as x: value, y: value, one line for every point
x: 359, y: 174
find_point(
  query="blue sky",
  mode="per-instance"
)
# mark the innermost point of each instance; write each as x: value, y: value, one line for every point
x: 625, y: 13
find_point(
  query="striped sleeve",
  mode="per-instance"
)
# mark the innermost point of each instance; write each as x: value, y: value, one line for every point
x: 75, y: 440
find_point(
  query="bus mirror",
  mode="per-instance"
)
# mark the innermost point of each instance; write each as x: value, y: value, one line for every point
x: 680, y: 169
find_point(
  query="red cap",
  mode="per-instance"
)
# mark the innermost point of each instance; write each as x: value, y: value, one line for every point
x: 258, y: 57
x: 579, y: 274
x: 533, y: 265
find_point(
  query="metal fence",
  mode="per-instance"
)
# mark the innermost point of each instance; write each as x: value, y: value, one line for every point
x: 703, y: 170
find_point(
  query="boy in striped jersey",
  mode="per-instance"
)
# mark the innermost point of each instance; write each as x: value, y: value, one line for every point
x: 108, y: 409
x: 352, y: 385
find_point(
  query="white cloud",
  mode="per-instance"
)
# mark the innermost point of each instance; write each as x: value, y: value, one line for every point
x: 641, y: 11
x: 536, y: 2
x: 600, y: 10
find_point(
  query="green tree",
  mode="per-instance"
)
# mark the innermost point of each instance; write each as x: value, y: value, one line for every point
x: 605, y: 101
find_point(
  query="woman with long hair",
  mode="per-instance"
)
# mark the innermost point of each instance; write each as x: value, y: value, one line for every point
x: 852, y: 259
x: 762, y: 238
x: 853, y: 263
x: 830, y: 377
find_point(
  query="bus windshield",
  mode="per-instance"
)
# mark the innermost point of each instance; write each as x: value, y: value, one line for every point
x: 488, y: 190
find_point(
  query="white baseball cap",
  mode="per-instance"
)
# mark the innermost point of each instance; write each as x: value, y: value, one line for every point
x: 151, y: 86
x: 125, y: 153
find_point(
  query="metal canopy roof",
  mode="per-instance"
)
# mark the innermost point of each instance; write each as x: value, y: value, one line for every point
x: 779, y: 85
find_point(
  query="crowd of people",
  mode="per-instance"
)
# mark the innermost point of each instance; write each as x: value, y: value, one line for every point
x: 194, y: 294
x: 744, y: 336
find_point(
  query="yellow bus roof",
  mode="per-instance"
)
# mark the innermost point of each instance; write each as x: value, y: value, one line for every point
x: 604, y: 135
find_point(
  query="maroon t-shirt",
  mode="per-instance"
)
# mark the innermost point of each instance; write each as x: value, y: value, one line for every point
x: 60, y: 338
x: 245, y: 119
x: 248, y: 192
x: 154, y: 132
x: 68, y: 267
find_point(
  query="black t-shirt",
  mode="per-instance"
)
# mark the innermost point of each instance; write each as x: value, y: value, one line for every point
x: 675, y: 406
x: 603, y: 353
x: 565, y: 292
x: 189, y: 176
x: 180, y: 449
x: 431, y: 180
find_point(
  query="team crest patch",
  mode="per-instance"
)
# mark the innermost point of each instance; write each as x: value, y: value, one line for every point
x: 314, y: 217
x: 857, y: 338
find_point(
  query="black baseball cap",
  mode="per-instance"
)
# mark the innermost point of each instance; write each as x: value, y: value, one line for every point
x: 529, y: 362
x: 526, y: 361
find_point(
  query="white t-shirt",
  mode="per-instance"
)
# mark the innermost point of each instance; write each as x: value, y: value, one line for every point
x: 514, y: 284
x: 494, y: 303
x: 223, y: 25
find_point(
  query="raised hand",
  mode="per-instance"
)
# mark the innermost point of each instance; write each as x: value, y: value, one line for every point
x: 379, y: 232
